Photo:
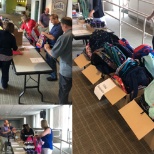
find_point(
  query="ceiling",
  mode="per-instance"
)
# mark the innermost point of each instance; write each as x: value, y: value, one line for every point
x: 22, y: 110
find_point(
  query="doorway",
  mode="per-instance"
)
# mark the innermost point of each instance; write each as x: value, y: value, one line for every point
x: 36, y: 10
x: 43, y: 5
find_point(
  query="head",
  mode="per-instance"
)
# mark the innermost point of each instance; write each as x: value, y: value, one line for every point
x: 9, y: 27
x: 54, y: 19
x: 24, y: 18
x: 44, y: 124
x: 66, y: 23
x: 6, y: 122
x: 46, y: 11
x: 27, y: 126
x: 24, y: 126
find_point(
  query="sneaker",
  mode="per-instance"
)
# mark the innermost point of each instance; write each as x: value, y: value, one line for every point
x: 51, y: 79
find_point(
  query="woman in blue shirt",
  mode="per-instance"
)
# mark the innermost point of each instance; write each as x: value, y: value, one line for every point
x: 47, y: 138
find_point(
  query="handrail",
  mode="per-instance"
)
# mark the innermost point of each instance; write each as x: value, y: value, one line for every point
x: 61, y: 145
x: 131, y: 10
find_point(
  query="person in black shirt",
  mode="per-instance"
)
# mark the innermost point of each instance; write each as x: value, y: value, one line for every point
x: 7, y: 43
x: 97, y: 11
x: 28, y: 131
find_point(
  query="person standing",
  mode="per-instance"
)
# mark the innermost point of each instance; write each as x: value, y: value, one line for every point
x: 97, y: 12
x: 52, y: 37
x: 148, y: 18
x: 5, y: 132
x: 7, y: 43
x: 47, y: 138
x: 44, y: 21
x: 30, y: 26
x: 63, y: 49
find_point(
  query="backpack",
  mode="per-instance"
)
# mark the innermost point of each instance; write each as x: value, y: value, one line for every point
x: 126, y: 44
x: 126, y: 66
x: 148, y: 62
x: 115, y: 53
x: 101, y: 65
x: 149, y: 94
x: 134, y: 78
x: 99, y: 37
x: 119, y: 82
x: 125, y: 50
x: 142, y: 50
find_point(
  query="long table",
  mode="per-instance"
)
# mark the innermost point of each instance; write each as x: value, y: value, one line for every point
x: 30, y: 63
x: 83, y: 31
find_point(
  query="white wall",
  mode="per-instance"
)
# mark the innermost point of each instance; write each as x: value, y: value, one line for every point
x: 143, y: 7
x: 69, y: 8
x: 49, y: 5
x: 29, y: 120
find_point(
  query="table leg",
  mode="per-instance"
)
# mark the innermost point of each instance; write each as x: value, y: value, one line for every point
x: 21, y: 94
x: 26, y: 87
x: 38, y: 87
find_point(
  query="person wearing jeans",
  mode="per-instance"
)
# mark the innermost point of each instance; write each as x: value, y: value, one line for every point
x: 63, y: 49
x: 52, y: 37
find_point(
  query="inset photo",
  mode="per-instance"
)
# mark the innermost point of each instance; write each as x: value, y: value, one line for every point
x: 36, y: 129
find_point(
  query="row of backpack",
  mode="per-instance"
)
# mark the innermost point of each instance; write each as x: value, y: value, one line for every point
x: 134, y: 68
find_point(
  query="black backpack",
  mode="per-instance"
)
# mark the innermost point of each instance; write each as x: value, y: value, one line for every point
x: 133, y: 78
x: 99, y: 37
x: 101, y: 65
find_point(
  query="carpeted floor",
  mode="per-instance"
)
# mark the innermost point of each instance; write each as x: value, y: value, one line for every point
x: 98, y: 128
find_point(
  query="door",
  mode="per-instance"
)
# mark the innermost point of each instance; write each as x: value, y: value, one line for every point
x: 43, y: 5
x: 36, y: 10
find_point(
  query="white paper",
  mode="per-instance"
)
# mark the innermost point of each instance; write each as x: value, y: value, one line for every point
x: 81, y: 32
x: 103, y: 88
x: 37, y: 60
x: 19, y: 149
x: 14, y: 145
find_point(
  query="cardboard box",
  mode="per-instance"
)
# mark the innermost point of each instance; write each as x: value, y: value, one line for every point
x: 114, y: 94
x: 19, y: 37
x: 82, y: 61
x: 111, y: 91
x: 139, y: 122
x: 92, y: 74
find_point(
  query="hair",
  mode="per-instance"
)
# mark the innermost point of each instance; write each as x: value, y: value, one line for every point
x: 44, y: 124
x: 24, y: 17
x: 67, y: 21
x: 54, y: 16
x: 9, y: 27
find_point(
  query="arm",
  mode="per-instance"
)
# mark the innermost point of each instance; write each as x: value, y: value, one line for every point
x: 51, y: 37
x: 149, y: 17
x: 46, y: 132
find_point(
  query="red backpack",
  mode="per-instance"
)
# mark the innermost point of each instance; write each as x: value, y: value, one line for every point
x: 142, y: 50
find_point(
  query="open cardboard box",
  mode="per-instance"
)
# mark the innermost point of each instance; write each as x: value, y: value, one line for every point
x: 92, y: 74
x: 82, y: 60
x: 19, y: 37
x: 114, y: 94
x: 139, y: 122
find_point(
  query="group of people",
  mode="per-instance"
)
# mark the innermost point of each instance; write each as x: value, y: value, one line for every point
x: 59, y: 44
x: 7, y: 131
